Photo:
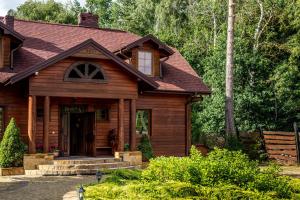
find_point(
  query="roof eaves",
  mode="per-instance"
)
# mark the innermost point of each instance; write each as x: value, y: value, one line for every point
x: 142, y: 40
x: 67, y: 53
x: 12, y: 32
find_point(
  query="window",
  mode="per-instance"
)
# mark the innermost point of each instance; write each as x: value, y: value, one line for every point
x: 102, y: 114
x: 85, y: 72
x: 143, y: 121
x: 145, y: 62
x: 1, y: 121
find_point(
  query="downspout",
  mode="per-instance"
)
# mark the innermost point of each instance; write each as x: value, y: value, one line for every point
x: 12, y: 56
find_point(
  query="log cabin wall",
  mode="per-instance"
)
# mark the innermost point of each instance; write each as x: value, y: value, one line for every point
x: 14, y: 100
x: 168, y: 122
x: 50, y: 82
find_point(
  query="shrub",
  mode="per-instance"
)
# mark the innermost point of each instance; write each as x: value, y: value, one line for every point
x: 11, y: 147
x: 145, y: 147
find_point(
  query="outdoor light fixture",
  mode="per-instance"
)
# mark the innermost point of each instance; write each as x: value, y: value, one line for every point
x: 81, y: 193
x: 98, y: 176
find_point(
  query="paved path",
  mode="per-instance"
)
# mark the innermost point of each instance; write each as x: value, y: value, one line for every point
x: 40, y: 188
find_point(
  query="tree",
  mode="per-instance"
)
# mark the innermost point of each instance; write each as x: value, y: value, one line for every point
x: 229, y: 112
x: 11, y: 147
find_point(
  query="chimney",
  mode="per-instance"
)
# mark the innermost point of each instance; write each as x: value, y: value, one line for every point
x: 88, y: 20
x: 9, y: 21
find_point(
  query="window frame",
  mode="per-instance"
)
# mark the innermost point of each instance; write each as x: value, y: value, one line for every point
x: 138, y: 61
x: 149, y: 121
x: 85, y: 79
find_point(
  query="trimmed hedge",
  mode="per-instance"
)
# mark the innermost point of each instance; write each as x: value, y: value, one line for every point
x: 11, y: 147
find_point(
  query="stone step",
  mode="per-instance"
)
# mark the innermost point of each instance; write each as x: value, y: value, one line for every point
x: 85, y: 161
x: 75, y: 172
x: 83, y: 166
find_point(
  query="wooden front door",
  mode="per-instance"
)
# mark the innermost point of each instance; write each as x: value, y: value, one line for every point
x: 82, y: 134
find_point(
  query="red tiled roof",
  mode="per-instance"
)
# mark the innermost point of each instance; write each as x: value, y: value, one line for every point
x: 46, y: 40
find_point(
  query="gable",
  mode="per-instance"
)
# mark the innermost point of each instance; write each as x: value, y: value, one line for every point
x: 52, y: 81
x: 84, y: 48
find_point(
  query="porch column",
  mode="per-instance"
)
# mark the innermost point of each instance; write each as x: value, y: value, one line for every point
x: 188, y: 128
x: 46, y: 123
x: 133, y: 125
x: 31, y: 123
x: 121, y: 125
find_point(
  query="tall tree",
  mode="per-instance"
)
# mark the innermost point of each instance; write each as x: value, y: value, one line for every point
x: 229, y: 109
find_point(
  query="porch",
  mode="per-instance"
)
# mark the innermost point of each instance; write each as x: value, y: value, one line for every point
x: 80, y: 126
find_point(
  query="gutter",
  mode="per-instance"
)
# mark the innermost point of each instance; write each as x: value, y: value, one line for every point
x: 12, y: 56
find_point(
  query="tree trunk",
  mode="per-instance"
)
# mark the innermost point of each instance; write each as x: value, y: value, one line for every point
x: 229, y: 111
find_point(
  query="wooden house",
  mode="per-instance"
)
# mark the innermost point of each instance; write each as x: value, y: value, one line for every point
x: 83, y: 89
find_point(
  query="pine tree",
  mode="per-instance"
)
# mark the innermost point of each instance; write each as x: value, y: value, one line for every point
x: 11, y: 147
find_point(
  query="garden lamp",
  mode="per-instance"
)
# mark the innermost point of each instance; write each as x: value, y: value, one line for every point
x: 81, y: 193
x: 98, y: 176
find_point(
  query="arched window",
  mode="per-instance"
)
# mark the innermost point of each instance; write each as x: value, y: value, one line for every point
x: 85, y: 72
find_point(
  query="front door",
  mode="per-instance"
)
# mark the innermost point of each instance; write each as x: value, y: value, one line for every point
x: 81, y: 134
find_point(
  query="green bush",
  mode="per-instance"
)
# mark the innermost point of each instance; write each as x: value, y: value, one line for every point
x: 11, y: 147
x: 223, y: 174
x: 145, y: 147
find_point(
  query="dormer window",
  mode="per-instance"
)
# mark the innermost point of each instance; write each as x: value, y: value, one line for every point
x: 145, y: 62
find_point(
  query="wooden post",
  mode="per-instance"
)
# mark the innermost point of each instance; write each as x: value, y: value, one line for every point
x: 46, y: 123
x: 121, y: 125
x: 188, y: 128
x: 133, y: 125
x: 31, y: 123
x: 297, y: 140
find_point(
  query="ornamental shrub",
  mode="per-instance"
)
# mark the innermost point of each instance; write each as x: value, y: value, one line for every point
x: 11, y: 147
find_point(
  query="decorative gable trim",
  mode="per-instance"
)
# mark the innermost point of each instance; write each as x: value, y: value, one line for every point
x: 88, y: 43
x: 138, y: 43
x: 7, y: 30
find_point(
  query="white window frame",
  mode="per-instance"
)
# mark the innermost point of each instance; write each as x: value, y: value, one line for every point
x: 145, y: 63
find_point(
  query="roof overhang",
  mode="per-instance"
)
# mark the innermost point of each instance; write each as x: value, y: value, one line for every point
x: 88, y: 43
x: 8, y: 31
x: 167, y: 51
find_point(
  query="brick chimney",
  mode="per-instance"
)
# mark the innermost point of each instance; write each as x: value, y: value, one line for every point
x: 88, y: 20
x: 9, y: 21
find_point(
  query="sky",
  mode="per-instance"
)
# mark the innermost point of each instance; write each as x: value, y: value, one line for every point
x: 5, y: 5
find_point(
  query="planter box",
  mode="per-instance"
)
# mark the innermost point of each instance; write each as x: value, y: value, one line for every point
x: 133, y: 157
x: 32, y: 161
x: 12, y: 171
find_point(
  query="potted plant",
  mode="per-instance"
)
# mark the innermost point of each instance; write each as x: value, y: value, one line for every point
x: 54, y: 150
x: 11, y: 151
x: 39, y: 148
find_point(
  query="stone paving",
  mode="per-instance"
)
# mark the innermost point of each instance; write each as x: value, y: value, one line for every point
x: 41, y: 187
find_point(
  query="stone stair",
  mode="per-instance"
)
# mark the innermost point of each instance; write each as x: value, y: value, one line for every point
x: 78, y: 166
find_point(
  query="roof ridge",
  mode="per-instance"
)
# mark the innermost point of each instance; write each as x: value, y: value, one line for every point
x: 68, y: 25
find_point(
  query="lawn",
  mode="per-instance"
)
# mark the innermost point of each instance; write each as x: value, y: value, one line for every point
x: 222, y: 174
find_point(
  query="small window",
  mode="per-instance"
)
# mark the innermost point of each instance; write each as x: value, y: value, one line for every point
x: 143, y: 121
x: 102, y: 114
x: 85, y: 72
x: 145, y: 62
x: 1, y: 121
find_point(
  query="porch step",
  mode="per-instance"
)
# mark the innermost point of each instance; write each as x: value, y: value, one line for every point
x: 85, y: 161
x: 76, y: 172
x: 86, y: 166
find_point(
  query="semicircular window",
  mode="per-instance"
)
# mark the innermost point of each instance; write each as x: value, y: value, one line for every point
x: 85, y: 72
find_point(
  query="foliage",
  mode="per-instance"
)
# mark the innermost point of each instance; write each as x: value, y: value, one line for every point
x: 145, y: 147
x: 223, y: 174
x: 11, y: 147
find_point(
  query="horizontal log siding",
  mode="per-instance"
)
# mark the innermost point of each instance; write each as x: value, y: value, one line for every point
x: 15, y: 103
x: 168, y: 122
x: 50, y: 82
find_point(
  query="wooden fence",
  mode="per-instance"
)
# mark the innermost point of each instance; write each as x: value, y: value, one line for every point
x: 283, y: 146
